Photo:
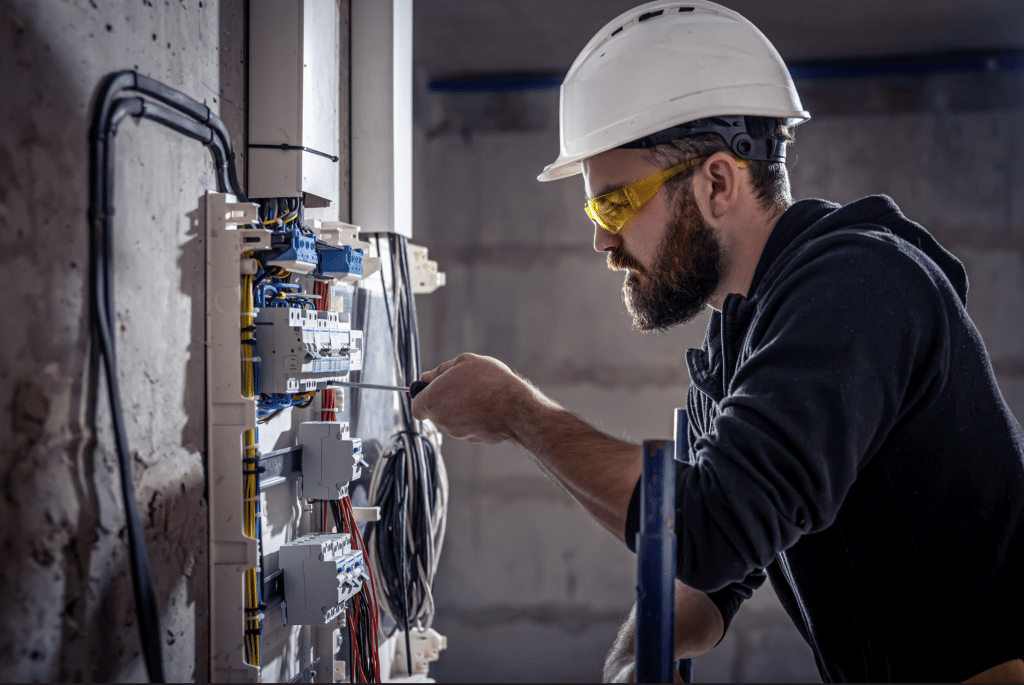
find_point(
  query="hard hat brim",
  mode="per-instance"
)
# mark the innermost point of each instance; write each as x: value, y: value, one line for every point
x: 571, y: 165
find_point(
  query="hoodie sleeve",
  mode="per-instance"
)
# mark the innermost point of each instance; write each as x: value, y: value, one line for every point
x: 847, y: 341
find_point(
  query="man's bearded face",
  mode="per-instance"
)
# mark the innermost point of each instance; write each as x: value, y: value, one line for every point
x: 686, y: 271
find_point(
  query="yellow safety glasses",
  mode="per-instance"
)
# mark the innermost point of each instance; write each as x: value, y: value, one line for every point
x: 612, y: 211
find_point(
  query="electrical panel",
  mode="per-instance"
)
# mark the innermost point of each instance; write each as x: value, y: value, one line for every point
x: 302, y: 460
x: 327, y: 499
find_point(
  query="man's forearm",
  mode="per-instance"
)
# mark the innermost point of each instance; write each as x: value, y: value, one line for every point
x: 479, y: 399
x: 599, y: 471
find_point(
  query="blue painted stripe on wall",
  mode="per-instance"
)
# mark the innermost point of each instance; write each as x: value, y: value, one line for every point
x: 1005, y: 62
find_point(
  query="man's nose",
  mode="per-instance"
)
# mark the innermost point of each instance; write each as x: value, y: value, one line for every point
x: 605, y: 241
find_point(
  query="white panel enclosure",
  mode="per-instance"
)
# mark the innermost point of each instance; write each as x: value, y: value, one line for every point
x: 294, y: 93
x: 382, y: 116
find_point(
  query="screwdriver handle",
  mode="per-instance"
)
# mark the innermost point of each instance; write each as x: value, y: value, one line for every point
x: 415, y: 388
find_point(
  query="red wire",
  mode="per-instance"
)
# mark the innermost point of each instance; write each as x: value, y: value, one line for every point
x: 374, y: 610
x: 327, y: 400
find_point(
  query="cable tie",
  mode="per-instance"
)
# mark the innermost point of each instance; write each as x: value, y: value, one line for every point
x: 286, y: 147
x: 252, y: 359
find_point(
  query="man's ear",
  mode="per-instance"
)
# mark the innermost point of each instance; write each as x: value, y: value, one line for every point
x: 716, y: 185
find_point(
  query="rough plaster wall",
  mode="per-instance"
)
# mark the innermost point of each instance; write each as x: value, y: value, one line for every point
x: 529, y: 588
x: 68, y: 612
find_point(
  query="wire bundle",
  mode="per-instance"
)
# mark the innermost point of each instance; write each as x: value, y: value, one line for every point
x: 406, y: 543
x: 364, y: 617
x: 409, y: 483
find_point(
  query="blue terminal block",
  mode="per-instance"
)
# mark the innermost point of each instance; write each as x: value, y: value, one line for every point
x: 348, y: 261
x: 299, y: 253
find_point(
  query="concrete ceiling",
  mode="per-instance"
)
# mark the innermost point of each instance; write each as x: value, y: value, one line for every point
x: 456, y: 38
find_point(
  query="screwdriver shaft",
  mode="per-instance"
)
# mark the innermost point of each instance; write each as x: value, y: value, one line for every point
x: 371, y: 386
x: 412, y: 390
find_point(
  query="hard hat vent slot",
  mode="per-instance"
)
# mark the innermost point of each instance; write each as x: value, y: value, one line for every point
x: 648, y: 15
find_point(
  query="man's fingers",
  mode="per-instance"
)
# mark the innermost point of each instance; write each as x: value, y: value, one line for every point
x: 434, y: 373
x: 419, y: 407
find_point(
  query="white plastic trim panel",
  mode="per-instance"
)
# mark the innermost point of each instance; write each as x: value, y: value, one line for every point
x: 229, y: 416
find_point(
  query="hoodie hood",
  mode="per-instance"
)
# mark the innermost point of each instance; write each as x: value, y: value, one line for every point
x: 809, y: 219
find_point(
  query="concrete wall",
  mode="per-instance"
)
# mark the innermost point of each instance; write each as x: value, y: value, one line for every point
x: 68, y: 612
x: 529, y: 587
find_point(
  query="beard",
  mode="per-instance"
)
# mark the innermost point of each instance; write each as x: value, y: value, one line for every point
x: 686, y: 272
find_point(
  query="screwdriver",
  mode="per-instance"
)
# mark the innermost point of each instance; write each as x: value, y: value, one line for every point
x: 413, y: 389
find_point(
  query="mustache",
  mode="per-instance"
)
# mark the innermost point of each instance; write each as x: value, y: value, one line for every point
x: 620, y: 260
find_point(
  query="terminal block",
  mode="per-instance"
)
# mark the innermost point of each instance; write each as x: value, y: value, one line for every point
x: 321, y: 572
x: 302, y: 350
x: 292, y: 250
x: 330, y: 459
x: 341, y: 262
x: 426, y: 645
x: 423, y: 271
x: 355, y: 262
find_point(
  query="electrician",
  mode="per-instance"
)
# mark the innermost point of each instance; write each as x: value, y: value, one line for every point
x: 848, y: 439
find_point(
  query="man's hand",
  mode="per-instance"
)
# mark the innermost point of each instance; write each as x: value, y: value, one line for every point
x: 476, y: 399
x: 479, y: 399
x: 699, y: 627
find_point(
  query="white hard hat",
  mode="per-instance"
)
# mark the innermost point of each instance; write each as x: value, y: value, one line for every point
x: 663, y: 64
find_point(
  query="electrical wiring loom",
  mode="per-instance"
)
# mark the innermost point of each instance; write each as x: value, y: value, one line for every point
x: 364, y: 616
x: 409, y: 483
x: 272, y: 286
x: 176, y: 111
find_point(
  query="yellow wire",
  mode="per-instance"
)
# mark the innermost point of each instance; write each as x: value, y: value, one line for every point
x: 286, y: 219
x: 248, y: 314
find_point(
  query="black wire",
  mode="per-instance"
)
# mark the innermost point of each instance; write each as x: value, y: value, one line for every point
x: 408, y: 482
x: 100, y: 211
x: 336, y: 513
x: 108, y: 113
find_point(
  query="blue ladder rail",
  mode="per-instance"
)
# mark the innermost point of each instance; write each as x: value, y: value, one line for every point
x: 656, y: 559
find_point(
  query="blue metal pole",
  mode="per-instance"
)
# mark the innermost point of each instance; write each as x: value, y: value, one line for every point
x: 656, y: 565
x: 682, y: 445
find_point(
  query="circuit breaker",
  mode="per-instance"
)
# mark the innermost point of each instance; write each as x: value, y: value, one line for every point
x: 321, y: 572
x: 303, y: 350
x: 330, y: 459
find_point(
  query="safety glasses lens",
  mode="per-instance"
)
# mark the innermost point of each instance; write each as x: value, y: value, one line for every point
x: 611, y: 211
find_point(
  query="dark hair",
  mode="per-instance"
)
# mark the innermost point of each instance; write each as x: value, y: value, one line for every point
x: 770, y: 179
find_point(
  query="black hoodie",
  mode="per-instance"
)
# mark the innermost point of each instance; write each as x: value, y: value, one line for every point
x: 848, y: 436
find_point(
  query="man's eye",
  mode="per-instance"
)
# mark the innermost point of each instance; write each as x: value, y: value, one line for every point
x: 615, y: 203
